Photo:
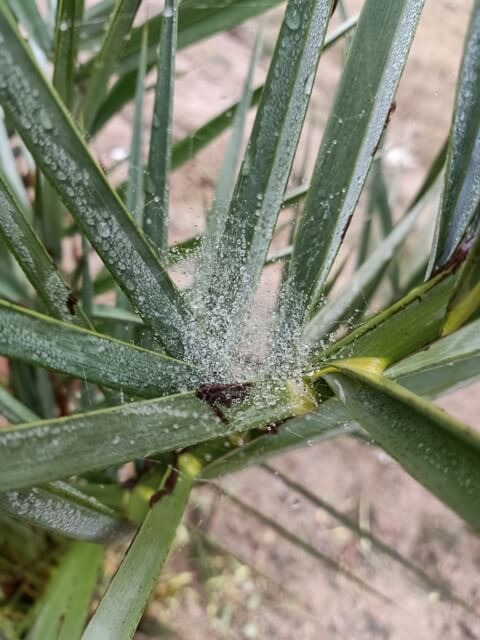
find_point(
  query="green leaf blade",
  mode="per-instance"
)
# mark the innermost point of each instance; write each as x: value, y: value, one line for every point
x: 66, y: 44
x: 32, y: 256
x: 258, y: 194
x: 40, y: 452
x: 196, y: 21
x: 331, y: 314
x: 134, y: 197
x: 61, y: 153
x: 330, y: 420
x: 403, y: 328
x: 29, y: 15
x: 440, y: 452
x: 102, y: 438
x: 159, y: 161
x: 226, y: 181
x: 124, y: 89
x: 121, y: 608
x: 462, y: 181
x: 31, y: 337
x: 63, y: 510
x: 64, y: 609
x: 363, y: 101
x: 119, y: 27
x: 13, y: 410
x: 8, y: 170
x: 447, y: 363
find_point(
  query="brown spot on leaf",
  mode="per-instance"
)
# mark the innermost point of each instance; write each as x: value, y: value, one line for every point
x: 169, y: 485
x: 216, y: 395
x: 71, y: 303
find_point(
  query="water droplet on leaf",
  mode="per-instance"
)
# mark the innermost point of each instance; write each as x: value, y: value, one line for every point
x: 293, y: 19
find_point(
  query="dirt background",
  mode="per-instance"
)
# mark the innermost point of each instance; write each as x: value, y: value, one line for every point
x: 205, y: 594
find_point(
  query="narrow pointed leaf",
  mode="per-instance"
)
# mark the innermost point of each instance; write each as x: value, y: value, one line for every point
x: 34, y: 338
x: 420, y: 373
x: 118, y: 29
x: 62, y: 613
x: 178, y: 252
x: 281, y: 254
x: 465, y: 302
x: 427, y: 376
x: 345, y: 302
x: 34, y: 259
x: 49, y: 216
x: 193, y: 143
x: 382, y: 201
x: 29, y: 16
x: 121, y: 608
x: 60, y: 151
x: 66, y: 43
x: 134, y: 197
x: 159, y: 161
x: 61, y: 509
x: 434, y: 171
x: 363, y: 101
x: 196, y: 21
x: 123, y: 91
x: 189, y: 146
x: 42, y: 451
x: 445, y: 364
x: 92, y: 28
x: 330, y: 420
x: 379, y: 203
x: 57, y: 507
x: 183, y: 150
x: 226, y: 181
x: 461, y: 194
x: 440, y: 452
x: 115, y: 314
x: 9, y: 172
x: 401, y: 329
x: 295, y: 195
x: 13, y: 410
x: 258, y: 194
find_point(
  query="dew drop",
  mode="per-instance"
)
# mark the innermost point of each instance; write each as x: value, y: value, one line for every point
x: 103, y: 230
x: 293, y: 19
x: 309, y: 83
x: 45, y: 120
